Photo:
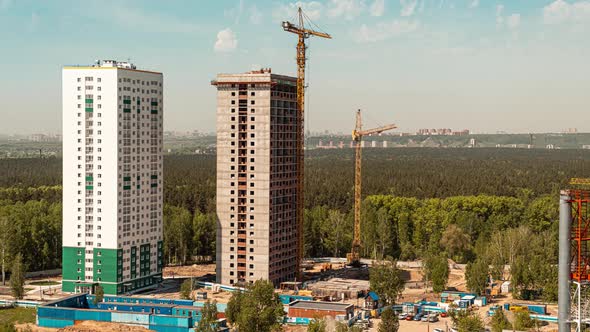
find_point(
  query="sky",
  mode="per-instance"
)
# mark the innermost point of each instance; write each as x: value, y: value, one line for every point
x: 486, y: 65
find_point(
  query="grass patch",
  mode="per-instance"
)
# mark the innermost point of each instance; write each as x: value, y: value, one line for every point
x: 18, y: 315
x: 44, y: 283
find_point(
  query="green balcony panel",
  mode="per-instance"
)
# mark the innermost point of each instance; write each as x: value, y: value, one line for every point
x: 154, y: 103
x: 154, y: 176
x: 126, y: 187
x: 89, y: 109
x: 154, y: 185
x: 127, y: 178
x: 89, y: 178
x: 127, y: 101
x: 154, y: 111
x: 89, y: 101
x: 89, y: 187
x: 126, y: 110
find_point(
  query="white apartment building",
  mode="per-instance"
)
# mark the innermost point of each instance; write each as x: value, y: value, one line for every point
x: 112, y: 177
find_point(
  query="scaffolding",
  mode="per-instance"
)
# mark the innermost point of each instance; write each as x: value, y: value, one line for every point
x: 574, y: 260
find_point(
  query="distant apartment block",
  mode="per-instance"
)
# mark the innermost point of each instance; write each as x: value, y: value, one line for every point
x: 256, y: 177
x: 442, y: 131
x: 112, y: 177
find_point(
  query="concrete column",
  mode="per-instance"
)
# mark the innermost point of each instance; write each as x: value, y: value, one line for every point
x: 565, y: 217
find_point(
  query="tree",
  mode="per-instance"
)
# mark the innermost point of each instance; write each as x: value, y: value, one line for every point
x: 17, y: 277
x: 436, y: 268
x: 259, y: 310
x: 385, y: 280
x: 98, y: 294
x: 499, y: 321
x: 455, y: 241
x: 316, y: 325
x: 523, y: 321
x: 389, y: 321
x: 186, y: 289
x: 343, y: 327
x: 466, y: 321
x: 208, y: 321
x: 7, y: 327
x: 5, y: 244
x: 335, y: 227
x: 476, y: 274
x: 204, y: 227
x: 232, y: 312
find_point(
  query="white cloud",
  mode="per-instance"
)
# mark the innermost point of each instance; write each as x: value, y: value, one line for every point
x: 226, y: 41
x: 513, y: 21
x: 255, y: 15
x: 385, y: 30
x: 408, y: 7
x: 560, y: 11
x: 474, y: 4
x: 349, y: 9
x: 377, y: 8
x: 288, y: 12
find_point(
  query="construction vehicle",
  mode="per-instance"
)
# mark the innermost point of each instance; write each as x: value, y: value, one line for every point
x: 353, y: 258
x: 303, y: 33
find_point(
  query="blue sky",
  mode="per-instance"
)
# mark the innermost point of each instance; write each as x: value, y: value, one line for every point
x: 488, y: 65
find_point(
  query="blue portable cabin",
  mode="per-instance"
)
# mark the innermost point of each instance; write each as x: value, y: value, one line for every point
x: 450, y: 296
x: 286, y: 298
x: 469, y: 298
x: 540, y: 309
x: 187, y: 311
x: 146, y: 300
x: 151, y: 308
x: 372, y: 301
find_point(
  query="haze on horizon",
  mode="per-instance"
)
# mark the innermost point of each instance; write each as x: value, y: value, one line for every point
x: 486, y: 65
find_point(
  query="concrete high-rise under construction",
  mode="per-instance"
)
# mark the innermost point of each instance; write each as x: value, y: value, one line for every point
x: 257, y: 121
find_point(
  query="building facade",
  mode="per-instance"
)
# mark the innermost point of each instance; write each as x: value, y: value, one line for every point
x: 257, y: 122
x: 112, y: 177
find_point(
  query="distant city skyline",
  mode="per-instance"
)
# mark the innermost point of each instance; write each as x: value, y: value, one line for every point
x: 487, y: 66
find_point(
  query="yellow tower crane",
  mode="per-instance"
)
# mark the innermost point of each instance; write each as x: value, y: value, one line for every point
x: 353, y: 258
x: 303, y: 33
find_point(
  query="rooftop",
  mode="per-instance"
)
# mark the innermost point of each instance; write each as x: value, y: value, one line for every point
x: 109, y: 64
x: 320, y: 305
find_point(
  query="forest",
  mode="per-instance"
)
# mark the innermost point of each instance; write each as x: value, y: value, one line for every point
x: 464, y: 202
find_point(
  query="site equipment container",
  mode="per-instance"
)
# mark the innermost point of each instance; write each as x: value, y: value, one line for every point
x: 130, y: 318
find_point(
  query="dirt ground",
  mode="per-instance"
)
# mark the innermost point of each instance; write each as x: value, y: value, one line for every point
x: 86, y: 326
x: 195, y: 270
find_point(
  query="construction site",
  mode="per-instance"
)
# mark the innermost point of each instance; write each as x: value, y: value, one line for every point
x: 260, y: 210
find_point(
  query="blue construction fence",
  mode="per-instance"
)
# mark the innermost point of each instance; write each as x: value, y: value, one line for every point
x: 154, y: 314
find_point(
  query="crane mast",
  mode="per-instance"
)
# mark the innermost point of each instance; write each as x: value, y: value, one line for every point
x: 353, y: 258
x: 302, y: 33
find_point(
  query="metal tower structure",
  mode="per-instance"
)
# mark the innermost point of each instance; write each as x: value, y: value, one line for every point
x: 353, y: 258
x: 302, y: 33
x: 574, y: 260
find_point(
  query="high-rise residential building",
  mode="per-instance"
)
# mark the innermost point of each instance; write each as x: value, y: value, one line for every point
x: 112, y: 177
x: 257, y: 122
